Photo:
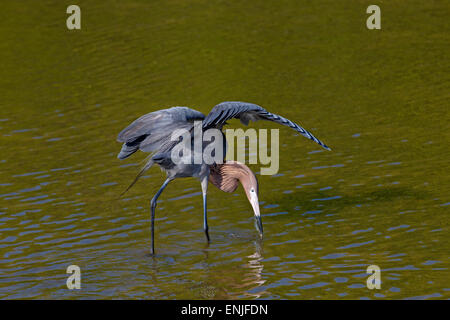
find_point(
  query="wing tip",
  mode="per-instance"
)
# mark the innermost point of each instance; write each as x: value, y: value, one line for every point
x: 122, y: 156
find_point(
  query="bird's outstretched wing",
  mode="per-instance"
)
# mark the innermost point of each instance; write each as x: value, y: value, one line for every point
x: 152, y: 131
x: 246, y: 112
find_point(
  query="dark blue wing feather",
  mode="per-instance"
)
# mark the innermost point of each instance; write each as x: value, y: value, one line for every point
x: 248, y: 111
x: 152, y: 131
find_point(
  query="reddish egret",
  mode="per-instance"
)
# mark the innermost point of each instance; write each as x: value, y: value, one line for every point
x: 152, y: 133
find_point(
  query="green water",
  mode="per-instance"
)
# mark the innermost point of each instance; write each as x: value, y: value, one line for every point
x: 379, y: 98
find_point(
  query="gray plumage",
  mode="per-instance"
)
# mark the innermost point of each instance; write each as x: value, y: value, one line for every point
x: 153, y: 132
x: 247, y: 112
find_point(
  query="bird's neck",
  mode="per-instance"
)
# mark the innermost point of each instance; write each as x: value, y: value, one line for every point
x: 227, y: 176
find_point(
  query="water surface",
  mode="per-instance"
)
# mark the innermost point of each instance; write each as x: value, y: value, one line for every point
x: 378, y: 98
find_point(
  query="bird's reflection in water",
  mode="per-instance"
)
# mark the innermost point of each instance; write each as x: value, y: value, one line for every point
x: 253, y: 278
x: 214, y: 285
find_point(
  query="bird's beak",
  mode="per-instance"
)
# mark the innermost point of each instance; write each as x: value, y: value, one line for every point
x: 258, y: 223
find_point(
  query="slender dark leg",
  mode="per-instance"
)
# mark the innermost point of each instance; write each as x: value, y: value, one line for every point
x: 205, y: 215
x: 205, y: 218
x: 153, y: 207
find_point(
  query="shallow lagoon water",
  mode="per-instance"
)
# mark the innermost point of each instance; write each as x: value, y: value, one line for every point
x: 379, y: 99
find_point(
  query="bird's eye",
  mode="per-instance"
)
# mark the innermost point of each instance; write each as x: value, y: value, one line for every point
x: 252, y: 190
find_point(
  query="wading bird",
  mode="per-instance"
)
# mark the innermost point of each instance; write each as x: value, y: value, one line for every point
x: 153, y: 131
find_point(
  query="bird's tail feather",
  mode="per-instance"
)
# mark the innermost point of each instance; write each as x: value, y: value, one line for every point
x: 147, y: 166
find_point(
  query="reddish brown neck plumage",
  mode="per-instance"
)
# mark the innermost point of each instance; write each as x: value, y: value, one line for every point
x: 227, y: 176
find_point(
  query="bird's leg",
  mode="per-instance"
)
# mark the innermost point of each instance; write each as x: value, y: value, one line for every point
x: 153, y: 207
x: 204, y: 183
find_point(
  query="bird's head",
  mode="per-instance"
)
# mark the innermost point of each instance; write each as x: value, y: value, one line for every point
x: 227, y: 176
x: 250, y: 185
